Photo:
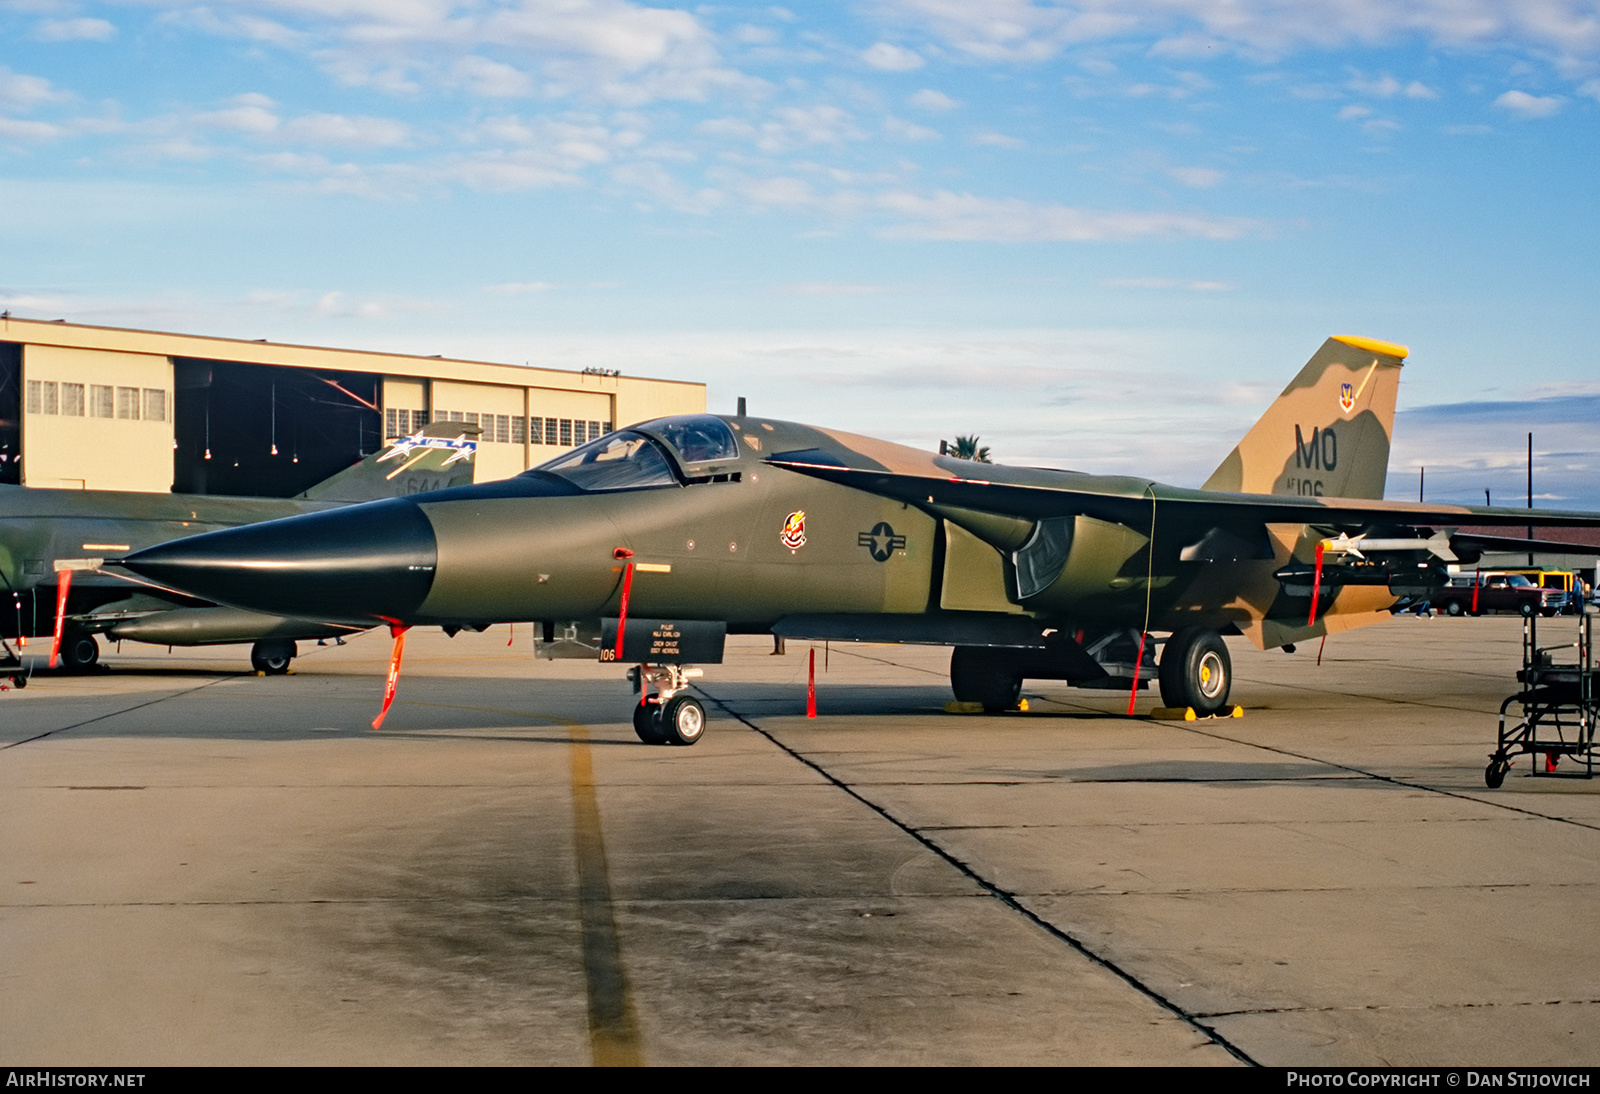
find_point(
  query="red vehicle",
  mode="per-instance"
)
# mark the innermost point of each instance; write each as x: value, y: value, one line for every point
x: 1492, y: 591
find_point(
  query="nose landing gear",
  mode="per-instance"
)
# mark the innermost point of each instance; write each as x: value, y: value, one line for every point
x: 670, y: 716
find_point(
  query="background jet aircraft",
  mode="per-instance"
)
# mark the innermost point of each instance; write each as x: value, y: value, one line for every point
x: 40, y: 526
x: 651, y: 544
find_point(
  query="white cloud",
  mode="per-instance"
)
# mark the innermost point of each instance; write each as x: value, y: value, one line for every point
x: 1525, y: 105
x: 249, y: 113
x: 17, y: 129
x: 345, y: 131
x: 780, y: 193
x: 908, y: 131
x: 929, y: 99
x: 334, y: 304
x: 490, y: 79
x: 1032, y: 30
x: 74, y: 30
x: 890, y: 58
x: 20, y: 92
x: 997, y: 140
x: 1590, y: 88
x: 613, y: 50
x: 1418, y: 90
x: 789, y: 128
x: 1197, y: 177
x: 951, y: 216
x: 257, y: 116
x: 1381, y: 87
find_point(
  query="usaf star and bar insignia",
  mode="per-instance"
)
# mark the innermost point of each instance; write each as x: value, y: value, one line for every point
x: 881, y: 542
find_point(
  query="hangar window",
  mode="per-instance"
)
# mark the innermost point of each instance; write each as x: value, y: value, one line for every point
x: 102, y: 401
x: 566, y: 432
x: 396, y: 422
x: 72, y: 400
x: 519, y: 430
x: 155, y: 405
x: 502, y: 428
x: 622, y: 461
x: 128, y: 403
x: 550, y: 427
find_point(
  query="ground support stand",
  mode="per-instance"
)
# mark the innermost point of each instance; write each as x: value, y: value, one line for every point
x: 1560, y: 705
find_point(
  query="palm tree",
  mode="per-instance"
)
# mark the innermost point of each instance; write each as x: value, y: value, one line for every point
x: 966, y: 448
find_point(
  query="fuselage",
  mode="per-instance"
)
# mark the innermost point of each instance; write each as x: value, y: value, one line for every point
x: 730, y: 536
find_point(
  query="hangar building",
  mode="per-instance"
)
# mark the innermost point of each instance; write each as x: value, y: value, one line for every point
x: 104, y: 408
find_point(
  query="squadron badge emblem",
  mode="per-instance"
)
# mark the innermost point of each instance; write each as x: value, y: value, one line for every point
x: 1347, y: 397
x: 794, y: 531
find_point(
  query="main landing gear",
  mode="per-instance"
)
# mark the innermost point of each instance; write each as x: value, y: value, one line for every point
x: 671, y: 716
x: 80, y: 652
x: 272, y: 656
x: 985, y: 675
x: 1196, y: 671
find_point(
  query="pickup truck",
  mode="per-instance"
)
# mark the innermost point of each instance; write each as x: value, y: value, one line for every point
x: 1496, y: 592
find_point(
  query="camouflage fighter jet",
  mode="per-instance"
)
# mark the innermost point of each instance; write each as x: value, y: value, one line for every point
x: 651, y: 544
x: 41, y: 527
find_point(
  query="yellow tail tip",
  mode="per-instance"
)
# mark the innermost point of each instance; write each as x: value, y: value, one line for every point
x: 1388, y: 349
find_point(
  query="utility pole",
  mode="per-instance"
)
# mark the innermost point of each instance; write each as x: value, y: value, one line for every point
x: 1530, y: 493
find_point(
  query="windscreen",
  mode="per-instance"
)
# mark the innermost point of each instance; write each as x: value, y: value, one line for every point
x: 617, y: 461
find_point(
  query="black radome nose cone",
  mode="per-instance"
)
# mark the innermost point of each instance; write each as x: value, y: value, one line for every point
x: 365, y: 563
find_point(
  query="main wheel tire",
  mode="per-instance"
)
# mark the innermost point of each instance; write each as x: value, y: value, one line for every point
x: 79, y: 650
x: 1454, y: 608
x: 1195, y: 671
x: 272, y: 657
x: 683, y: 720
x: 979, y: 674
x: 647, y: 723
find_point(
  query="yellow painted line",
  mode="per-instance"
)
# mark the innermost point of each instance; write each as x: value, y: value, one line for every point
x: 420, y: 455
x: 653, y: 567
x: 1364, y: 381
x: 613, y: 1027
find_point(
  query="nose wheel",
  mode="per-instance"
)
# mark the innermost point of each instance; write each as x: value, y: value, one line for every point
x: 670, y: 716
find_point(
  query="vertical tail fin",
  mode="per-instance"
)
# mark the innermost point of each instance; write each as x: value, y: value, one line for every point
x: 1328, y: 433
x: 438, y: 455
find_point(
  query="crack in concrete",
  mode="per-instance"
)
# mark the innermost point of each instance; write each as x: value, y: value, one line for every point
x: 1006, y: 897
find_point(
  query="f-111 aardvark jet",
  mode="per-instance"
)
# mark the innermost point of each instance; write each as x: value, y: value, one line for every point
x: 650, y: 545
x: 42, y: 531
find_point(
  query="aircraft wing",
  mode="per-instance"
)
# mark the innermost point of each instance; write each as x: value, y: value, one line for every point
x: 1040, y: 494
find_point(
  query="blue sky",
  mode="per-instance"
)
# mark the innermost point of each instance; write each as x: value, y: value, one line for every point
x: 1101, y: 235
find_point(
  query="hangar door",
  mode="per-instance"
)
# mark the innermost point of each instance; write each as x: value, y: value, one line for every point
x: 269, y: 430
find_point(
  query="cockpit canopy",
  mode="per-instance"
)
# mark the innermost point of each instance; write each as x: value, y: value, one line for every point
x: 696, y: 438
x: 633, y: 459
